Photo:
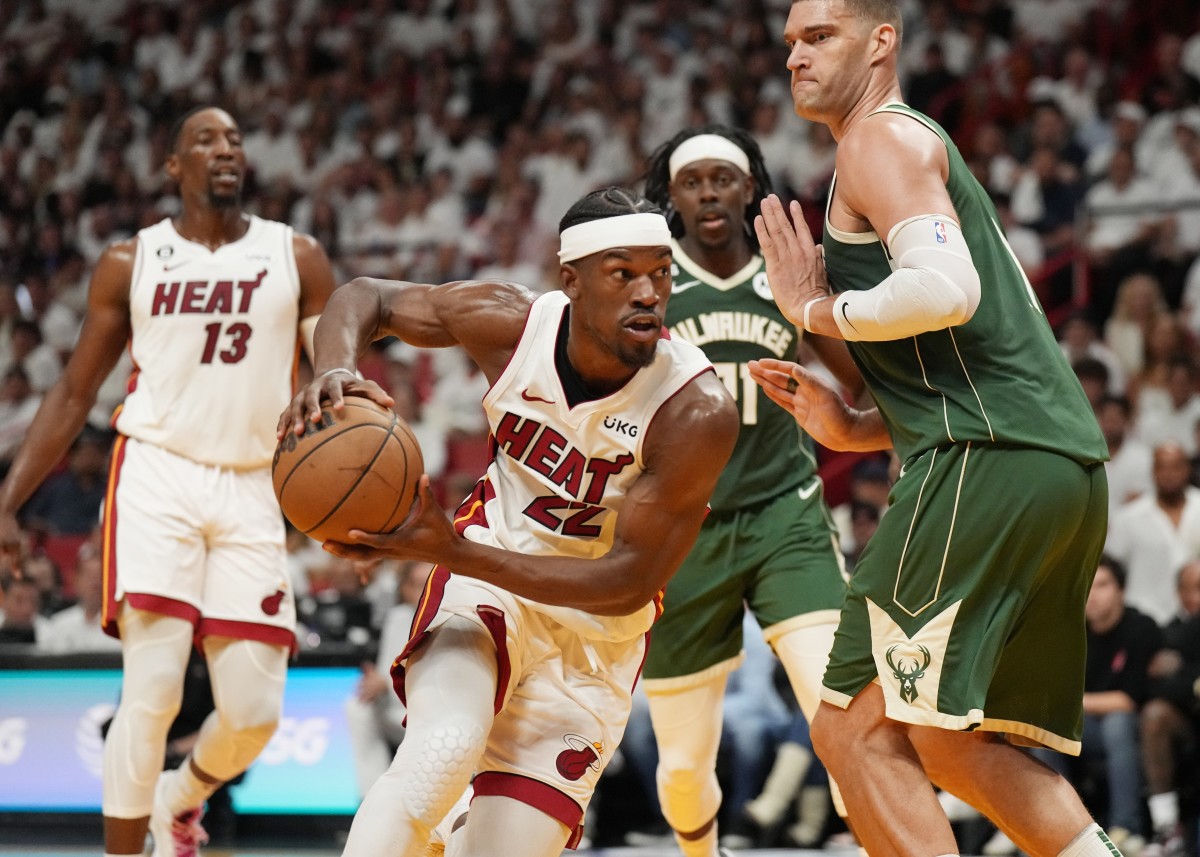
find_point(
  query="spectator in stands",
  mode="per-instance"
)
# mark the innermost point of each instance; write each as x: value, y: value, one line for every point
x: 1123, y: 223
x: 1187, y: 588
x: 1153, y: 535
x: 1121, y: 643
x: 1170, y: 725
x: 1094, y: 377
x: 1026, y: 244
x: 1127, y: 120
x: 1138, y: 305
x: 38, y: 358
x: 1130, y: 461
x: 870, y: 485
x: 44, y: 573
x: 1044, y: 198
x: 1080, y: 339
x: 1076, y: 90
x: 77, y: 628
x: 69, y: 502
x: 1170, y: 412
x: 1182, y: 197
x: 22, y: 608
x: 335, y: 610
x: 18, y: 404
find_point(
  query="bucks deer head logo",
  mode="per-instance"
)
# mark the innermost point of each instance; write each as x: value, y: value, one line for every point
x: 907, y: 671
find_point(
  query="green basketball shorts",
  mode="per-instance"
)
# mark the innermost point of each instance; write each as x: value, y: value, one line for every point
x: 780, y: 558
x: 967, y: 604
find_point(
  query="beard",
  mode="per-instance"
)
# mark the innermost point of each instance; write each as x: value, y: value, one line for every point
x: 637, y: 356
x: 222, y: 200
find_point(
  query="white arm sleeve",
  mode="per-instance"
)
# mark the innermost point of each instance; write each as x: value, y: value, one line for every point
x: 934, y: 286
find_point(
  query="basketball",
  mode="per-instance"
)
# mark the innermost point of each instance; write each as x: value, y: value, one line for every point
x: 357, y: 471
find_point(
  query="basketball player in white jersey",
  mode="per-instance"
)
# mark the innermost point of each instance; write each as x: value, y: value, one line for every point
x: 213, y: 305
x: 607, y: 439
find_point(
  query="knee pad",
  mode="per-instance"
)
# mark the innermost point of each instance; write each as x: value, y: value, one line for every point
x: 687, y: 726
x: 434, y: 767
x: 247, y: 680
x: 804, y: 653
x: 155, y: 656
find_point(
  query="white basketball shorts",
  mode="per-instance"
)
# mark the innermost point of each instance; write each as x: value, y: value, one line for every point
x: 562, y: 702
x: 196, y: 541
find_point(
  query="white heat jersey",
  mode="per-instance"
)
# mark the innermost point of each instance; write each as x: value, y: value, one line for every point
x: 559, y: 475
x: 215, y: 342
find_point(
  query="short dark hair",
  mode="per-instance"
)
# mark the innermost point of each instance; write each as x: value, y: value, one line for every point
x: 1119, y: 401
x: 607, y: 202
x: 1089, y: 368
x: 658, y: 174
x: 1116, y: 567
x: 876, y: 12
x: 177, y: 126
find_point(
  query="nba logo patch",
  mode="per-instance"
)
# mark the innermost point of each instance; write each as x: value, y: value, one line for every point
x: 939, y: 231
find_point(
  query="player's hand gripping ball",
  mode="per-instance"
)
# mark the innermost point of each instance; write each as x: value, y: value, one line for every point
x: 356, y: 471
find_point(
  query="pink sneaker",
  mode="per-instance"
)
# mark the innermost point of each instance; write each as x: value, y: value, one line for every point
x: 178, y: 836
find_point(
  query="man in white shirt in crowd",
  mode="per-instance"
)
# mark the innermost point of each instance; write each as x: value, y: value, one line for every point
x: 1154, y: 535
x: 77, y: 628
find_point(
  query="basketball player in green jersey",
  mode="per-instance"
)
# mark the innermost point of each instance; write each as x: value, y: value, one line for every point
x: 963, y: 628
x: 769, y: 541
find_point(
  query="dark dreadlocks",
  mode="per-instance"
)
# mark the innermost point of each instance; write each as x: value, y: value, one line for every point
x: 658, y: 176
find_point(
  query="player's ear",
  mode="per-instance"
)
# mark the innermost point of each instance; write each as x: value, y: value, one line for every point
x: 568, y: 276
x: 171, y: 165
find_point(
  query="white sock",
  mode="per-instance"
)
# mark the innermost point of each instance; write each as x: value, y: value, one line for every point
x: 1091, y: 842
x: 1164, y: 810
x: 705, y: 846
x: 184, y: 790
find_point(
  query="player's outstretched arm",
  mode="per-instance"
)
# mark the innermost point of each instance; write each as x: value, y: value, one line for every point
x: 486, y: 318
x: 687, y: 446
x: 819, y: 408
x: 64, y: 411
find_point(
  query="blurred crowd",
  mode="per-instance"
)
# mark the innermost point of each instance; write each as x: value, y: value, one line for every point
x: 432, y: 140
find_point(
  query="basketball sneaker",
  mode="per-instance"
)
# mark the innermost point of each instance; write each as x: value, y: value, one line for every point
x: 175, y: 836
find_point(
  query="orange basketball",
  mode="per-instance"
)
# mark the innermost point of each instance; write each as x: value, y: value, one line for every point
x: 357, y: 471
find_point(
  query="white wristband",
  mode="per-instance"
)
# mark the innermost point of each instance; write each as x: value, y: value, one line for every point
x: 325, y: 375
x: 808, y: 311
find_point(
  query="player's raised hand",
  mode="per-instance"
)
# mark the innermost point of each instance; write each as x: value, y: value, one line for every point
x: 331, y: 386
x: 795, y: 265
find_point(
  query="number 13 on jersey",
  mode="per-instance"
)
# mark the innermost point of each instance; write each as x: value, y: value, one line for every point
x: 226, y: 342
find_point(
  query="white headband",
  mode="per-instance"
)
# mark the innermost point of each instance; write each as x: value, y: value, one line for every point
x: 625, y: 230
x: 707, y: 146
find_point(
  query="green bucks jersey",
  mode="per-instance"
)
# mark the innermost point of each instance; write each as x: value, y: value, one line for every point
x: 1000, y: 377
x: 735, y: 321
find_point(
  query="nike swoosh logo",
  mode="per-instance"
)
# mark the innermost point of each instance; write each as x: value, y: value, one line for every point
x: 173, y: 267
x: 805, y: 493
x: 676, y: 288
x: 525, y: 395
